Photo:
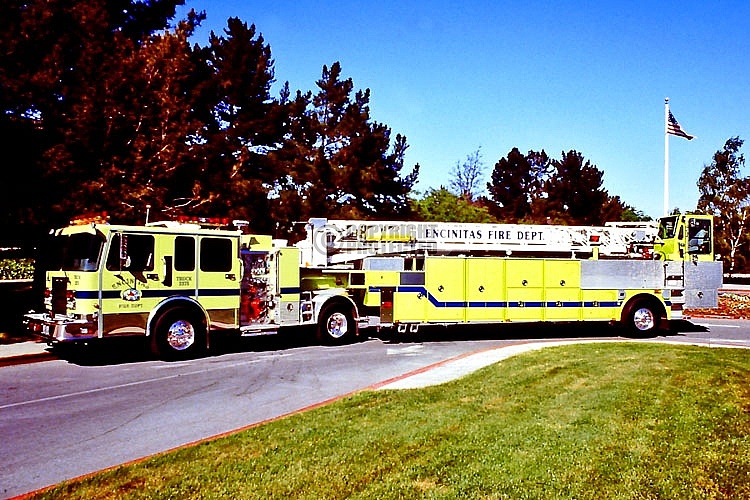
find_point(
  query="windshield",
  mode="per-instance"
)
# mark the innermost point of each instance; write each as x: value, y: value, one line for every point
x: 667, y: 227
x: 74, y: 252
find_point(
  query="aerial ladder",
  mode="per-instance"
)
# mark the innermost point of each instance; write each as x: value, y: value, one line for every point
x: 350, y: 242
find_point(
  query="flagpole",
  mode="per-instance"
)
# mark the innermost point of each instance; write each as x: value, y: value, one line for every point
x: 666, y: 156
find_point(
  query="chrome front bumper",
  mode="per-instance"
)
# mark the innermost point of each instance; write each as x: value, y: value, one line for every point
x: 59, y: 328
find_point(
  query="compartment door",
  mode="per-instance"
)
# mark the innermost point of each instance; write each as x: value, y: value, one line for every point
x: 562, y: 288
x: 485, y: 289
x: 524, y: 279
x: 445, y: 286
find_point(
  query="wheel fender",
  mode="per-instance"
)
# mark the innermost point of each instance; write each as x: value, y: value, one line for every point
x: 324, y: 300
x: 171, y: 303
x: 636, y: 300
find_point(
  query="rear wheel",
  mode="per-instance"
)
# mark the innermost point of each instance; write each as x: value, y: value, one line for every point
x: 643, y: 319
x: 336, y: 326
x: 178, y: 334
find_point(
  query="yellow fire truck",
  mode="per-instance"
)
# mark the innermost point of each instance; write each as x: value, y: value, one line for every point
x: 176, y: 282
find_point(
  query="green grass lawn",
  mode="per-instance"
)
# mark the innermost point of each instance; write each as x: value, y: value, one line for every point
x: 588, y: 421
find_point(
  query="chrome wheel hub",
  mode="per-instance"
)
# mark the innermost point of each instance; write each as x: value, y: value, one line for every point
x: 337, y: 325
x: 181, y: 335
x: 644, y: 319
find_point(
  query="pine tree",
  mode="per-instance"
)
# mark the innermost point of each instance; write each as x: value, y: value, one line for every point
x: 243, y: 123
x: 574, y: 191
x: 514, y: 181
x: 341, y: 164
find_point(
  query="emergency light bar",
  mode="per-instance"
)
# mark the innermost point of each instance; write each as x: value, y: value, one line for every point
x: 90, y: 218
x: 204, y: 221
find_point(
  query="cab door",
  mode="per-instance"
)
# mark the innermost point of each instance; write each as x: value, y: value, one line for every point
x: 699, y: 238
x: 218, y: 279
x: 129, y: 283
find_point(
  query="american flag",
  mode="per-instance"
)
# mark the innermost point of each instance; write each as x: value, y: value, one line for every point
x: 674, y: 128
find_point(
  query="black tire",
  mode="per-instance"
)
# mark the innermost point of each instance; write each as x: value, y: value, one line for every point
x: 336, y: 326
x: 644, y: 318
x: 178, y: 334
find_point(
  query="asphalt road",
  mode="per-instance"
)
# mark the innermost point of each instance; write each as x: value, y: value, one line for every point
x: 90, y: 410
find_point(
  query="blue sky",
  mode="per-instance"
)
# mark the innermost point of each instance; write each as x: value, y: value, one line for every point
x: 457, y: 76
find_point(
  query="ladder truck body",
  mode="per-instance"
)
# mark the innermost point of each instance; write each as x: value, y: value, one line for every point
x: 406, y: 274
x: 176, y: 282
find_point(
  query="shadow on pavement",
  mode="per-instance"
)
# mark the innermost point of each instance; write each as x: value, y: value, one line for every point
x: 115, y: 351
x: 529, y: 331
x: 504, y: 331
x: 683, y: 325
x: 135, y: 350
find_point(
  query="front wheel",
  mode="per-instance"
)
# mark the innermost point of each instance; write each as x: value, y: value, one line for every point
x: 336, y: 326
x: 178, y: 334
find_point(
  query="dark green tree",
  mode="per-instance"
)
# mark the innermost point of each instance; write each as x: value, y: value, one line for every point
x: 149, y: 141
x: 338, y: 162
x: 725, y: 194
x: 292, y: 161
x: 615, y: 210
x: 108, y: 107
x: 574, y: 191
x: 516, y: 181
x: 534, y: 188
x: 242, y: 124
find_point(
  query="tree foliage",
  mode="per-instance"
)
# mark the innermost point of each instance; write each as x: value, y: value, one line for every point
x: 239, y: 123
x: 88, y: 90
x: 107, y: 106
x: 516, y: 181
x: 441, y: 205
x: 574, y: 191
x: 334, y: 161
x: 538, y: 189
x: 358, y: 170
x: 725, y: 194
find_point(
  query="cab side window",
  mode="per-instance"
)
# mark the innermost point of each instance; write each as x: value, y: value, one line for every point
x: 184, y: 253
x: 216, y: 255
x: 699, y: 236
x: 131, y: 252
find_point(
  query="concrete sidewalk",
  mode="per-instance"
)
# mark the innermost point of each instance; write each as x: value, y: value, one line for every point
x: 455, y: 368
x: 29, y: 350
x: 463, y: 365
